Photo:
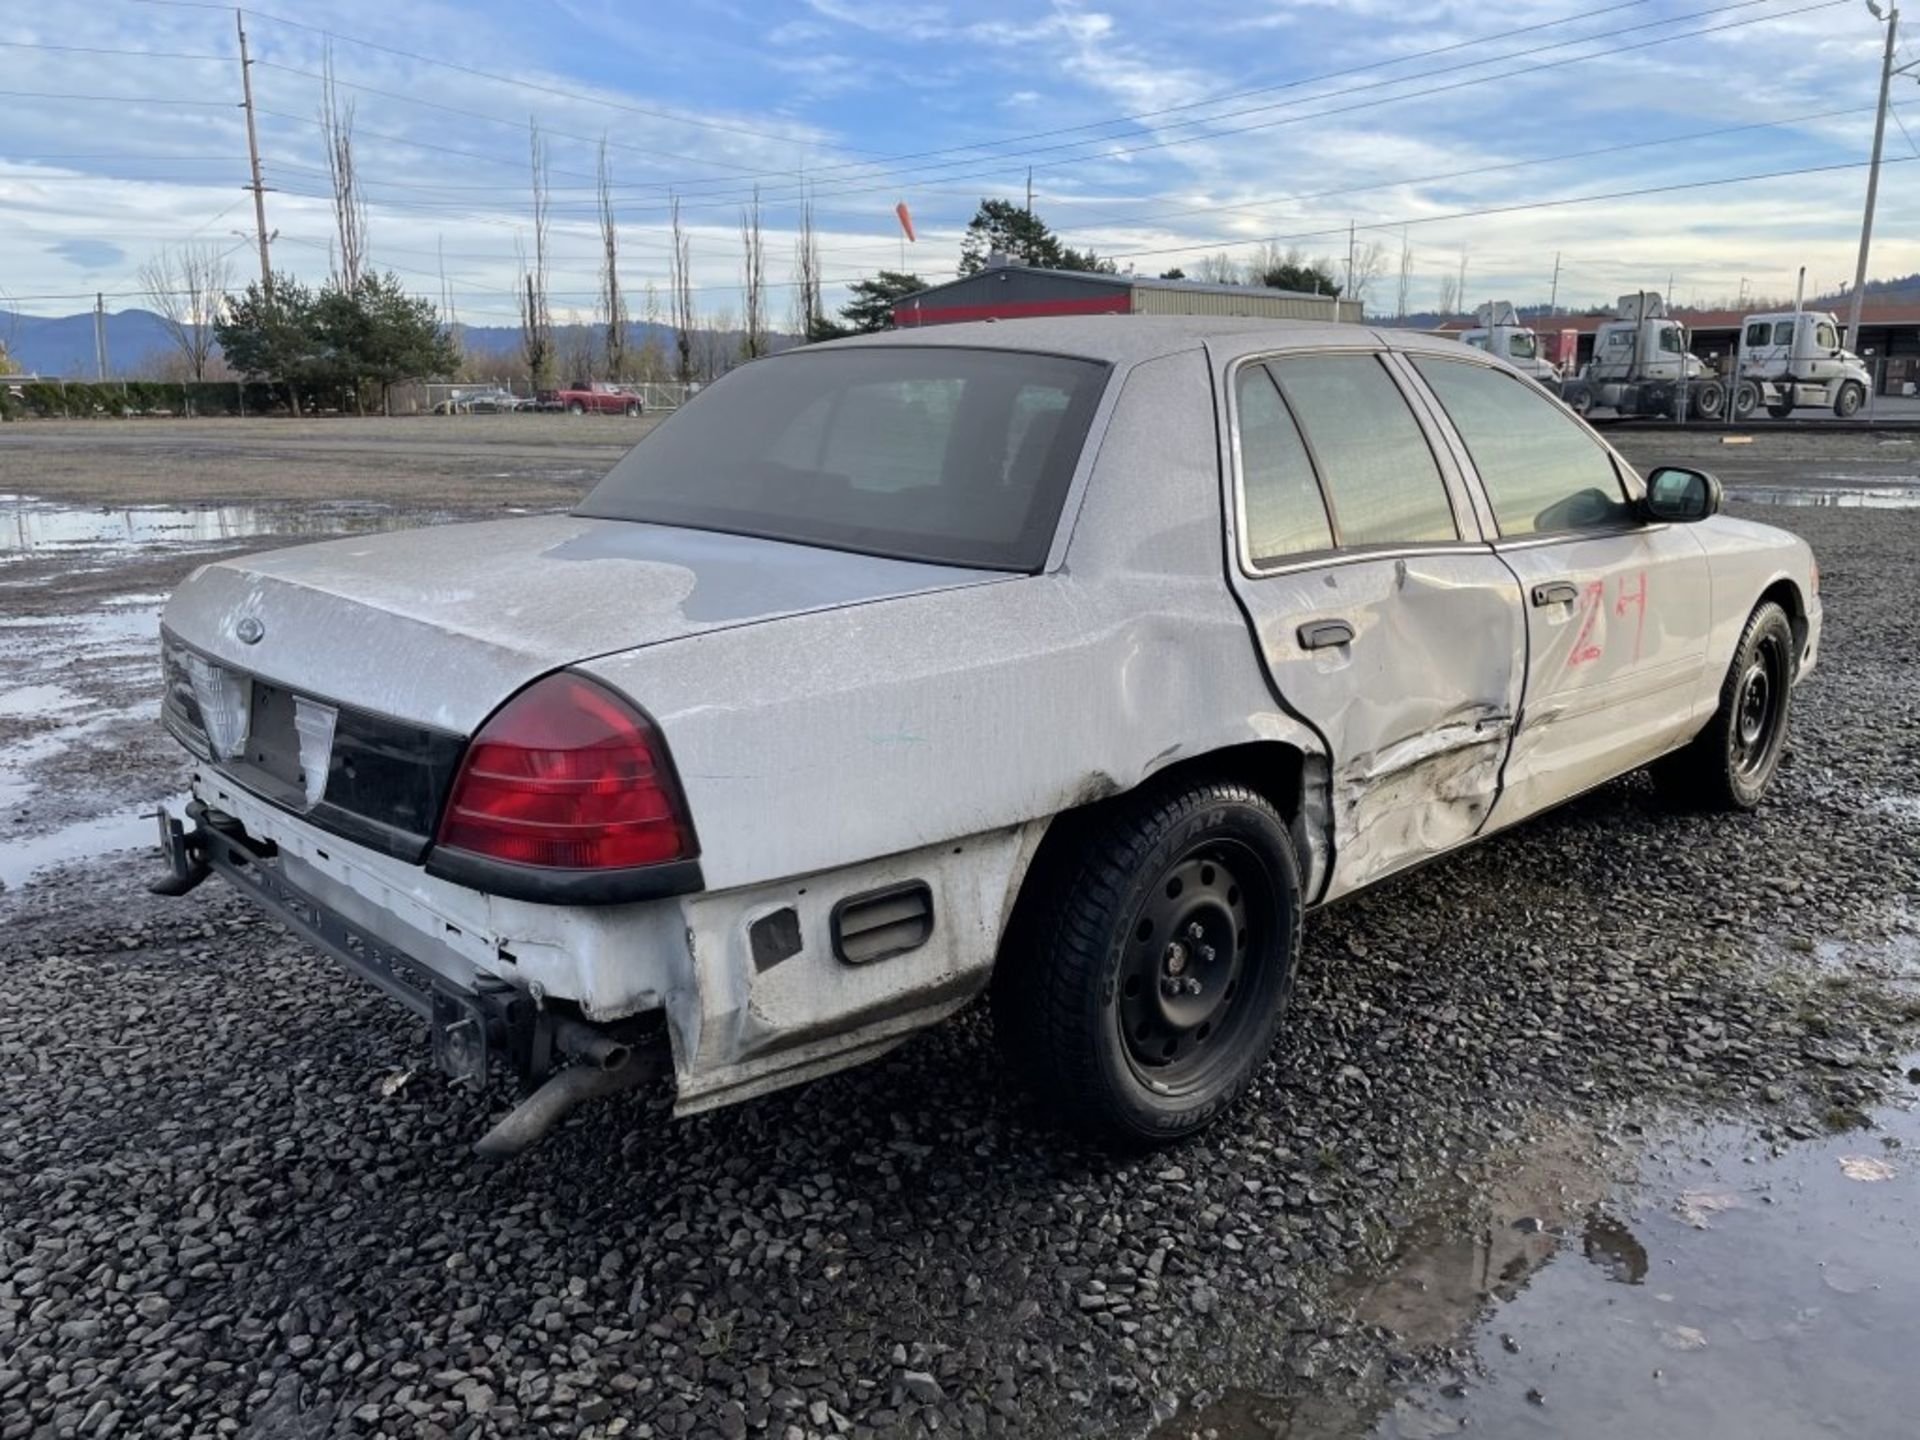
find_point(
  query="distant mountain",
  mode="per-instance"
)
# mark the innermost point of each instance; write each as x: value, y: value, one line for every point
x: 138, y: 343
x: 63, y: 345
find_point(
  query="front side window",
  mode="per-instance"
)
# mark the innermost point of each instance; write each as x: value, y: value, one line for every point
x: 1523, y: 345
x: 947, y: 455
x: 1541, y: 470
x: 1825, y: 338
x: 1382, y: 484
x: 1670, y: 342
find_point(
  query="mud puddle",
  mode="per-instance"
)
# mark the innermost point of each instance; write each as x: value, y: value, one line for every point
x: 30, y: 526
x: 1706, y: 1281
x: 1897, y: 495
x: 129, y: 832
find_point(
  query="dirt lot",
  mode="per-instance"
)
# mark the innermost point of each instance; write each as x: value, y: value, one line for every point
x: 1601, y: 1128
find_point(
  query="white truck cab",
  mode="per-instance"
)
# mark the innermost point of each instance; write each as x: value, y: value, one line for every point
x: 1641, y: 366
x: 1795, y: 358
x: 1499, y: 330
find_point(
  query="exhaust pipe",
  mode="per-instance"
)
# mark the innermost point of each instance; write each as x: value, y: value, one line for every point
x: 605, y: 1066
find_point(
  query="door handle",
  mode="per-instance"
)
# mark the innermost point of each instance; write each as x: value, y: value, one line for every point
x: 1319, y: 634
x: 1556, y: 592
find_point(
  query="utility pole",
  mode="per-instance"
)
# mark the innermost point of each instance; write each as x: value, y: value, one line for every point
x: 99, y: 336
x: 253, y: 157
x: 1553, y: 295
x: 1029, y: 199
x: 1873, y: 178
x: 1348, y: 289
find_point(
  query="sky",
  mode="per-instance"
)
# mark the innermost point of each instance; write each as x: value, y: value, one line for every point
x: 1157, y: 134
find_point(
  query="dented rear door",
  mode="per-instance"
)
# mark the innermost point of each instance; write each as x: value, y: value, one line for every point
x: 1383, y: 617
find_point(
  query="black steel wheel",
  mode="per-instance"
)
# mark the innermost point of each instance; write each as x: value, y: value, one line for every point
x: 1149, y: 959
x: 1731, y: 763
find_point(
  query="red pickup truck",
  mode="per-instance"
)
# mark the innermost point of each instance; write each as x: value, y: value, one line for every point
x: 595, y: 397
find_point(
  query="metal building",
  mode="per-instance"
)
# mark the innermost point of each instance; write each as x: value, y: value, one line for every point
x: 1011, y: 292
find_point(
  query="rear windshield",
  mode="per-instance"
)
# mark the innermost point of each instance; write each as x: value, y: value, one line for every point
x: 959, y: 457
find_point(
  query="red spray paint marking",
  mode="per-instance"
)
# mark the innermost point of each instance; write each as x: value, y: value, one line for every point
x: 1637, y: 598
x: 1593, y: 599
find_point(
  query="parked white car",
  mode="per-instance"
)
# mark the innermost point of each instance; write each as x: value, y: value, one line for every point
x: 1070, y: 659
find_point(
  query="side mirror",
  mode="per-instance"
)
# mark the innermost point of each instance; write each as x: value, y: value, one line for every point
x: 1678, y: 494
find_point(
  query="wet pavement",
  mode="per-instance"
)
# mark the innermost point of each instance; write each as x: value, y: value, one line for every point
x: 1660, y: 1279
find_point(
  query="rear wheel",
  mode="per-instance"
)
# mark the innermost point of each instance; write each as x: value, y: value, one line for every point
x: 1746, y: 399
x: 1579, y: 400
x: 1731, y: 763
x: 1847, y: 403
x: 576, y: 408
x: 1709, y: 399
x: 1149, y: 961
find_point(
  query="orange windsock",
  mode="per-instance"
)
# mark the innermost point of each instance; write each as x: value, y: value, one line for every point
x: 906, y: 221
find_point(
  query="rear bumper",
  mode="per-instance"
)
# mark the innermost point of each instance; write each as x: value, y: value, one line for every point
x: 474, y: 1020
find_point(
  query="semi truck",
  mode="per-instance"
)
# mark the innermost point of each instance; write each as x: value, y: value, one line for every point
x: 1499, y: 330
x: 1641, y: 367
x: 1795, y: 358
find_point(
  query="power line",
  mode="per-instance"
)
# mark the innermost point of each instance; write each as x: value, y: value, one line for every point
x: 117, y: 99
x: 666, y: 115
x: 102, y: 50
x: 1515, y: 208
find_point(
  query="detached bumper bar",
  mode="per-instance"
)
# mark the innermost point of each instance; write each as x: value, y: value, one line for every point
x: 470, y: 1028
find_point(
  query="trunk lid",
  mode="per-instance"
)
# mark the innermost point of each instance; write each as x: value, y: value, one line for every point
x: 436, y: 627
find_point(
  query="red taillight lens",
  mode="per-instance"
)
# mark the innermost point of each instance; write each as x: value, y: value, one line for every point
x: 568, y: 776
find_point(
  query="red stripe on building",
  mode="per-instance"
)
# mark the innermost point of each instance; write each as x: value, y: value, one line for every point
x: 1118, y: 303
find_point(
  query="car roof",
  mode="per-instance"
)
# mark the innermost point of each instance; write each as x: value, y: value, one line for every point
x: 1130, y: 339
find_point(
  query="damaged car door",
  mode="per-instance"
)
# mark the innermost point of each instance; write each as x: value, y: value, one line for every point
x: 1384, y: 619
x: 1618, y: 608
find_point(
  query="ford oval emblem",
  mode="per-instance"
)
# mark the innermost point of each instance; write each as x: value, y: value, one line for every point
x: 250, y: 630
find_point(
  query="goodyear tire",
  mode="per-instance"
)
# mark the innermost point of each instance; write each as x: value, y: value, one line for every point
x: 1731, y: 764
x: 1149, y: 961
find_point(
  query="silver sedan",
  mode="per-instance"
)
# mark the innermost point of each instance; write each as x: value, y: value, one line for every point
x: 1071, y: 660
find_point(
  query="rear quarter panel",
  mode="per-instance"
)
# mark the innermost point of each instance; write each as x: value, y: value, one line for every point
x: 832, y: 738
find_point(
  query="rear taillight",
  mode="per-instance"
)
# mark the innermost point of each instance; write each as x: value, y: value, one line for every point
x: 568, y: 776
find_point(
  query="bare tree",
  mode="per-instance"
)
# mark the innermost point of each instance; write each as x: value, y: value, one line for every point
x: 1406, y: 278
x: 1449, y: 301
x: 187, y: 288
x: 808, y: 315
x: 753, y: 340
x: 536, y: 319
x: 653, y: 356
x: 613, y: 305
x: 715, y: 343
x: 573, y: 344
x: 1369, y: 260
x: 680, y: 283
x: 349, y: 204
x: 1218, y: 268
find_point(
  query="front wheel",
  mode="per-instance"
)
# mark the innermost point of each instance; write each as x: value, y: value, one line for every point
x: 576, y: 408
x: 1851, y: 397
x: 1149, y: 961
x: 1731, y: 763
x: 633, y: 408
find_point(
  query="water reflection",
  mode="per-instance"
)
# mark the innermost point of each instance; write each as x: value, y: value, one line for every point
x: 28, y: 526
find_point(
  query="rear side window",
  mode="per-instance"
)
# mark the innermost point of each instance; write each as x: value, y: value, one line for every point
x: 1382, y: 484
x: 955, y: 456
x: 1541, y: 470
x: 1285, y: 514
x: 1760, y: 334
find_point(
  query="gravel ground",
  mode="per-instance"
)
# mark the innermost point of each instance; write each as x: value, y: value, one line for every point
x: 229, y: 1203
